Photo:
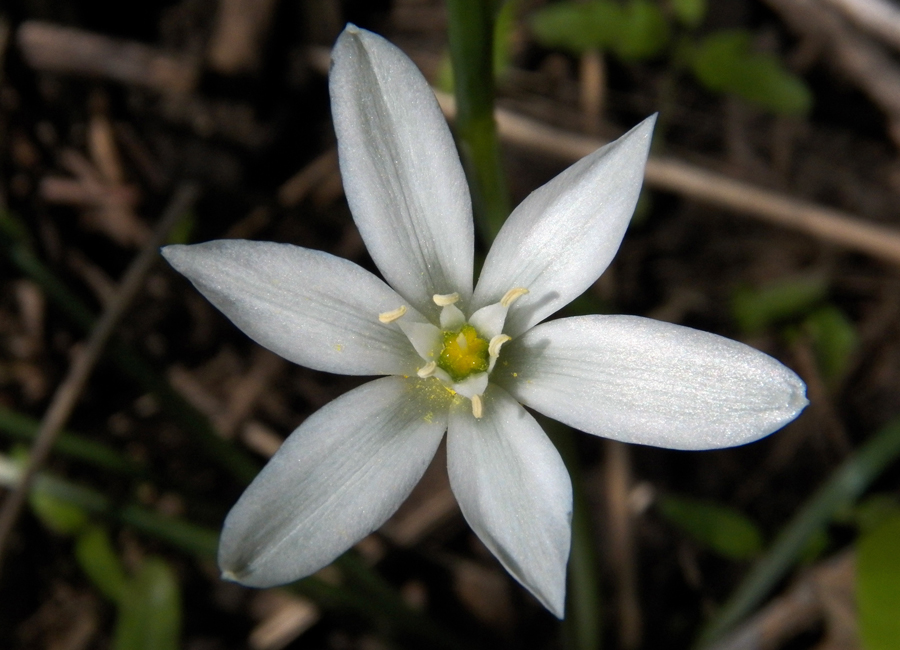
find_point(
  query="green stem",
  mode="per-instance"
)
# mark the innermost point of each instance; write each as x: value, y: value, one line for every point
x: 471, y: 29
x: 845, y: 486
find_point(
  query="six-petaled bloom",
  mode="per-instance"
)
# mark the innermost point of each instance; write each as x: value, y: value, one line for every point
x: 459, y: 360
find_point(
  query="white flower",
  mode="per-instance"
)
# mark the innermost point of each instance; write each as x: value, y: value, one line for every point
x: 459, y: 360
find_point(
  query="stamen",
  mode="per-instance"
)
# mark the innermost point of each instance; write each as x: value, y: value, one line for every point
x: 442, y: 300
x: 427, y: 370
x: 391, y: 316
x: 512, y: 295
x: 496, y: 342
x: 477, y: 406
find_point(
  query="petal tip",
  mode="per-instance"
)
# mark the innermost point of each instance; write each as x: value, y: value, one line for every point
x: 556, y: 602
x: 175, y: 255
x: 230, y: 576
x: 643, y: 131
x: 798, y: 399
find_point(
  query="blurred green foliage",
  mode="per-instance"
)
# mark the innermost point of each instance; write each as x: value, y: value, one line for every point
x: 757, y: 309
x: 635, y: 31
x: 724, y: 62
x: 689, y: 13
x: 182, y: 232
x: 878, y: 585
x: 97, y: 558
x: 60, y: 516
x: 799, y: 306
x: 834, y: 340
x: 148, y: 603
x: 873, y: 511
x: 150, y: 609
x: 723, y: 530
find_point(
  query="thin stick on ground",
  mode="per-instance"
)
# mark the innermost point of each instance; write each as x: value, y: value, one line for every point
x: 800, y: 609
x: 864, y: 63
x: 672, y: 175
x: 881, y: 18
x: 68, y: 392
x: 622, y: 559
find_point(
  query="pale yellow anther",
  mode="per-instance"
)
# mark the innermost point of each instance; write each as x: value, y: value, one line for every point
x: 512, y: 295
x: 427, y: 370
x: 391, y: 316
x: 496, y: 342
x: 477, y: 406
x: 442, y: 300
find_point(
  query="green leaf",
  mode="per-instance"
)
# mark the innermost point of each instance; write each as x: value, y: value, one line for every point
x: 756, y: 309
x: 874, y: 510
x: 634, y: 31
x: 150, y: 610
x: 504, y: 29
x: 578, y: 26
x: 182, y: 231
x: 60, y: 516
x: 834, y: 340
x: 723, y: 530
x: 878, y: 586
x: 689, y: 13
x: 725, y: 63
x: 98, y: 559
x: 644, y: 31
x: 815, y: 547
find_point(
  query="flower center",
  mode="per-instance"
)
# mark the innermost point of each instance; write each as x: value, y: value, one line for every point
x: 461, y: 353
x: 464, y: 353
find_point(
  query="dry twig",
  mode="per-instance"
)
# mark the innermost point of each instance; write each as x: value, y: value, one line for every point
x: 53, y: 48
x: 878, y: 17
x: 591, y: 90
x: 672, y: 175
x: 812, y: 599
x: 864, y: 63
x: 107, y: 207
x: 68, y: 392
x: 283, y: 617
x: 301, y: 184
x: 623, y: 561
x: 237, y: 39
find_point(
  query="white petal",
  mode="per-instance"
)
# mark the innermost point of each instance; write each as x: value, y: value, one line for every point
x: 564, y: 235
x: 471, y: 385
x: 489, y: 320
x: 652, y: 383
x: 452, y: 318
x: 402, y: 175
x: 335, y: 479
x: 514, y: 491
x: 424, y: 337
x: 309, y: 307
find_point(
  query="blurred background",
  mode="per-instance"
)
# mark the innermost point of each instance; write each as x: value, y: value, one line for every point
x: 137, y: 413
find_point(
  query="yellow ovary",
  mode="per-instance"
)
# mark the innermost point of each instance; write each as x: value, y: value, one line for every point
x: 465, y: 353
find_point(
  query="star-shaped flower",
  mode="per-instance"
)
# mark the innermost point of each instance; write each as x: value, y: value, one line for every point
x: 459, y: 360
